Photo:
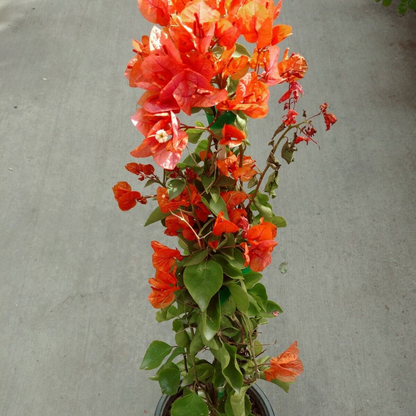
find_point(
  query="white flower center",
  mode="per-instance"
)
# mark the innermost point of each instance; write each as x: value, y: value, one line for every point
x: 161, y: 136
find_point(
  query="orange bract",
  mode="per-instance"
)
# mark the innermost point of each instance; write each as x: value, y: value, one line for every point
x: 164, y: 258
x: 228, y: 133
x: 292, y: 68
x: 286, y: 367
x: 261, y: 240
x: 127, y: 198
x: 251, y: 97
x: 167, y: 205
x: 222, y: 225
x: 155, y: 11
x: 163, y: 287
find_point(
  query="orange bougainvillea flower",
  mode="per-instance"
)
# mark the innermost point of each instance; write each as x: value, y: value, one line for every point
x: 127, y: 198
x: 189, y: 89
x: 166, y: 151
x: 213, y: 244
x: 246, y: 172
x: 167, y: 205
x: 294, y: 91
x: 233, y: 198
x: 239, y: 218
x: 142, y: 171
x: 227, y: 31
x: 261, y: 232
x: 286, y: 367
x: 231, y: 165
x: 227, y: 164
x: 251, y: 97
x: 259, y: 256
x: 222, y: 225
x: 261, y: 240
x: 164, y: 258
x: 330, y: 119
x: 180, y: 223
x: 229, y: 133
x: 200, y: 20
x: 280, y: 32
x: 236, y: 67
x: 163, y: 287
x: 290, y: 117
x: 155, y: 11
x: 292, y: 68
x: 257, y: 22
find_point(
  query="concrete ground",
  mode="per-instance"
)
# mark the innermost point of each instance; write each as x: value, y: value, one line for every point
x: 75, y: 320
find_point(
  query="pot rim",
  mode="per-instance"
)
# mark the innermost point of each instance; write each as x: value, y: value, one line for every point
x: 254, y: 391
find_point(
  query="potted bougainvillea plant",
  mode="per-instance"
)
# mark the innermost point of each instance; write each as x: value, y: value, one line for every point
x: 212, y: 196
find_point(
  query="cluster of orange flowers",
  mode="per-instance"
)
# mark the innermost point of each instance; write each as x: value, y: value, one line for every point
x: 179, y: 64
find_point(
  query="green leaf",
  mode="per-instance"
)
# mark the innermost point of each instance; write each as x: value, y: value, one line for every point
x: 182, y: 339
x: 175, y: 187
x: 254, y: 308
x: 155, y: 216
x: 150, y: 182
x: 196, y: 257
x: 215, y: 193
x: 402, y: 8
x: 199, y: 124
x: 279, y: 222
x: 240, y: 296
x: 271, y: 308
x: 241, y: 122
x: 386, y: 3
x: 283, y: 385
x: 216, y: 207
x: 225, y: 181
x: 203, y: 281
x: 211, y: 318
x: 175, y: 353
x: 412, y: 4
x: 258, y: 292
x: 287, y: 152
x: 261, y: 202
x: 194, y: 135
x: 196, y: 344
x: 218, y: 380
x: 232, y: 371
x: 213, y: 344
x: 251, y: 278
x: 240, y: 50
x: 191, y: 404
x: 155, y: 354
x: 272, y: 184
x: 202, y: 145
x: 258, y: 348
x: 187, y: 162
x: 207, y: 181
x: 227, y: 118
x: 237, y: 402
x: 169, y: 380
x: 204, y: 371
x: 228, y: 306
x: 253, y: 182
x: 227, y: 268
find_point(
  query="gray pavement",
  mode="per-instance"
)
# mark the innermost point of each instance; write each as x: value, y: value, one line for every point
x: 74, y: 316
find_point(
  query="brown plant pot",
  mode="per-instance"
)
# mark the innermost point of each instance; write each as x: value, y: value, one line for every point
x: 255, y: 392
